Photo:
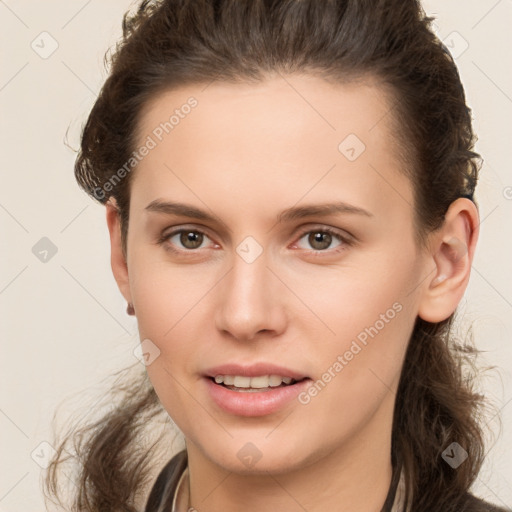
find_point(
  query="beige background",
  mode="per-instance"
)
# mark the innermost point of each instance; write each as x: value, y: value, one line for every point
x: 64, y: 325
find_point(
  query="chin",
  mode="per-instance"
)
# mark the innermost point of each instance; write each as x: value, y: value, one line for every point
x: 260, y: 456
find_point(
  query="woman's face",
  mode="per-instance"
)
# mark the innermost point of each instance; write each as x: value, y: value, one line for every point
x: 271, y: 230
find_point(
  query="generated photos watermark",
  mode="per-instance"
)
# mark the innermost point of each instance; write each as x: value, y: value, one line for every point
x: 357, y: 345
x: 151, y: 142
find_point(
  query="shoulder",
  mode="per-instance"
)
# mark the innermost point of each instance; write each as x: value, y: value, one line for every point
x: 162, y: 492
x: 474, y: 504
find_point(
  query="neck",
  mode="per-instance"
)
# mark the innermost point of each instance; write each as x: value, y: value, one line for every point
x: 355, y: 477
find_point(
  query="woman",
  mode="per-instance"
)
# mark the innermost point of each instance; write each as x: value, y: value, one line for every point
x: 289, y: 195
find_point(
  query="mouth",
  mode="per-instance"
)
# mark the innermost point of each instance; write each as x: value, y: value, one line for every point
x: 257, y: 390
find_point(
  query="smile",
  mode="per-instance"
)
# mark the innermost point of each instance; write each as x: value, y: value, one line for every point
x: 243, y: 398
x: 253, y: 384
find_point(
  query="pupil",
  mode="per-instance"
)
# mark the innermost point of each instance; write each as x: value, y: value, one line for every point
x: 319, y: 240
x: 191, y: 240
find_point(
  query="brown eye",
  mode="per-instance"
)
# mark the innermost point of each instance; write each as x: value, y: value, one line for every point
x: 191, y: 239
x: 320, y: 240
x: 187, y: 242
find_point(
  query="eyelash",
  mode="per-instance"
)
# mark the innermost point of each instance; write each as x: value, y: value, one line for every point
x: 345, y: 241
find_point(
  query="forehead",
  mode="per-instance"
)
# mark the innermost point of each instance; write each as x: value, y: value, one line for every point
x: 286, y: 137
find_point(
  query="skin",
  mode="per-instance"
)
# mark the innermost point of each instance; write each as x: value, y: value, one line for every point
x: 245, y: 154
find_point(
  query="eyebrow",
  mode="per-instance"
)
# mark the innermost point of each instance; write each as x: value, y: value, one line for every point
x: 171, y: 208
x: 290, y: 214
x: 323, y: 210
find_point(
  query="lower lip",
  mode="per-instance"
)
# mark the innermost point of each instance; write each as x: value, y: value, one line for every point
x: 254, y: 403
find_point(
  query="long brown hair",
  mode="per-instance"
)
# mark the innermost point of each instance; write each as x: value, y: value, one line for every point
x: 171, y: 43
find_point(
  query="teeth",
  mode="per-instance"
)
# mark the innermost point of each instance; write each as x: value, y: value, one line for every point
x: 260, y: 382
x: 242, y: 382
x: 275, y: 380
x: 229, y: 380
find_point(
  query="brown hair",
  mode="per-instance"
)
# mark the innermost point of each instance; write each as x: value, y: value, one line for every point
x: 171, y: 43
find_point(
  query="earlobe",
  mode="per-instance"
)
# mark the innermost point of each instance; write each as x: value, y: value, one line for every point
x: 451, y: 253
x: 117, y: 257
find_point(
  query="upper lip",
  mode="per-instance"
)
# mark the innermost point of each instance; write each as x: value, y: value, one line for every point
x: 254, y: 370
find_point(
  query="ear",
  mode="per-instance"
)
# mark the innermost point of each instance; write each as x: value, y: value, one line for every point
x: 451, y: 251
x: 117, y: 257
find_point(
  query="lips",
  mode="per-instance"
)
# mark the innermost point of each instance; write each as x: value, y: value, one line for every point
x: 255, y: 390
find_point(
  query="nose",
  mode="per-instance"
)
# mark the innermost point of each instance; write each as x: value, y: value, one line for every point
x: 251, y: 301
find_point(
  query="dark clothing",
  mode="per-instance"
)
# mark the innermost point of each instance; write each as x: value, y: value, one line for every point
x: 162, y: 493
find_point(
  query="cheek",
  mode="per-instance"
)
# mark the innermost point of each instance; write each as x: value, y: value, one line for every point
x: 370, y: 317
x: 359, y: 379
x: 169, y: 305
x: 374, y: 295
x: 166, y: 295
x: 358, y: 372
x: 173, y: 306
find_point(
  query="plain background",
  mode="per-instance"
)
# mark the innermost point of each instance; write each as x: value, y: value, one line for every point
x: 64, y: 326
